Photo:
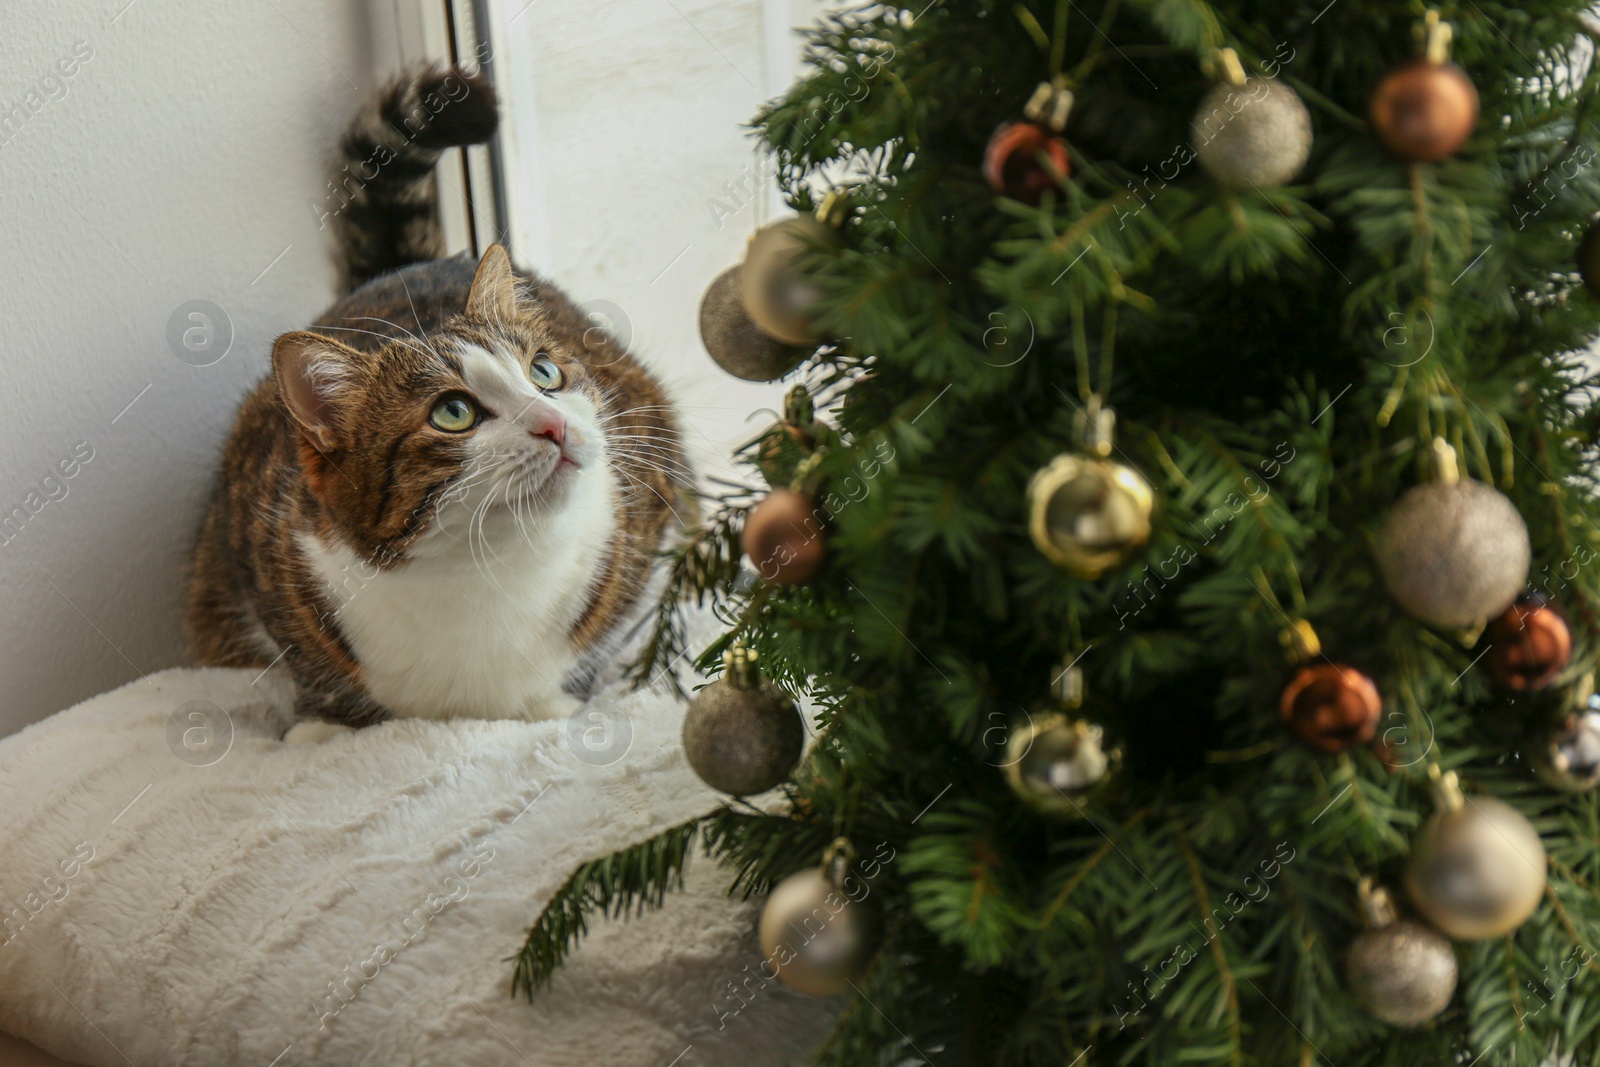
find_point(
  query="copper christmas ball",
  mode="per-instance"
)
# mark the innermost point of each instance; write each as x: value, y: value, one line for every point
x: 1589, y: 259
x: 734, y: 341
x: 819, y: 934
x: 1528, y: 645
x: 1424, y: 111
x: 1476, y: 870
x: 783, y: 537
x: 1331, y: 707
x: 1012, y: 163
x: 777, y: 295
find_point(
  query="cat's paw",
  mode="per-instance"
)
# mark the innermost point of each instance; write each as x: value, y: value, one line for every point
x: 314, y: 732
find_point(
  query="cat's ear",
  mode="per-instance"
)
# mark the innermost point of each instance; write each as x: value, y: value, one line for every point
x: 494, y: 287
x: 313, y: 373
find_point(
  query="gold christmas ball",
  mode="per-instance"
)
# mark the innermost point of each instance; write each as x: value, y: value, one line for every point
x: 783, y: 538
x: 1454, y: 554
x: 1254, y: 136
x: 777, y: 294
x: 1403, y: 972
x: 734, y: 341
x: 1089, y: 514
x: 742, y: 734
x: 1568, y: 759
x: 1053, y: 761
x: 1424, y: 111
x: 817, y: 935
x: 1477, y: 870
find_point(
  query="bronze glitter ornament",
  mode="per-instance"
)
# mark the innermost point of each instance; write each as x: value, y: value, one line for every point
x: 734, y: 341
x: 1425, y: 110
x: 1477, y: 866
x: 1250, y: 133
x: 821, y: 927
x: 1331, y: 707
x: 1088, y: 512
x: 1402, y: 971
x: 1528, y: 645
x: 783, y: 537
x: 1454, y: 553
x: 742, y: 734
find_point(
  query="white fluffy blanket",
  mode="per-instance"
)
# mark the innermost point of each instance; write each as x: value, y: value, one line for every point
x: 172, y: 896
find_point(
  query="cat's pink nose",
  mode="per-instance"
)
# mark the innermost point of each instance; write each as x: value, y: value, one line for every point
x: 552, y: 426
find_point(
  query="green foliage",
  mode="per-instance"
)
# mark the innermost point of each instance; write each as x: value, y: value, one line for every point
x: 1279, y: 363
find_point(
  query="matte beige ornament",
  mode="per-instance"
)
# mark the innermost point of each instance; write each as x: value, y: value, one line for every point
x: 1454, y: 553
x: 1402, y: 971
x: 777, y: 294
x: 821, y: 927
x: 1251, y: 133
x: 1477, y: 866
x: 734, y: 341
x: 742, y: 734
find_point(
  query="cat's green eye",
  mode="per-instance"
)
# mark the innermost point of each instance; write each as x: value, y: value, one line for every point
x: 544, y: 373
x: 454, y: 414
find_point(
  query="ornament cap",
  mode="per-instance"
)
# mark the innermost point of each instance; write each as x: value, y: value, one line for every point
x: 1068, y: 687
x: 1435, y: 36
x: 1051, y: 104
x: 837, y: 860
x: 1378, y: 908
x: 1300, y: 642
x: 798, y: 408
x: 834, y: 209
x: 1226, y: 67
x: 1446, y: 469
x: 1097, y: 427
x: 740, y: 667
x: 1447, y: 794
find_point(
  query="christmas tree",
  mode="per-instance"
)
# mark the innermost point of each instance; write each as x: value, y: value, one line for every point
x: 1184, y: 525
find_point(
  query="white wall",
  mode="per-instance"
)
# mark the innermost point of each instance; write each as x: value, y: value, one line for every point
x: 177, y: 166
x: 636, y: 182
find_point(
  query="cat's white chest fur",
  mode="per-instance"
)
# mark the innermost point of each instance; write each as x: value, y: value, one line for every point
x: 473, y: 627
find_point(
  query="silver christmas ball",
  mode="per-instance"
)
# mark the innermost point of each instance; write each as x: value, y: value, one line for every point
x: 1454, y: 554
x: 817, y: 935
x: 1405, y: 973
x: 1253, y: 136
x: 1569, y: 759
x: 1476, y: 871
x: 735, y: 342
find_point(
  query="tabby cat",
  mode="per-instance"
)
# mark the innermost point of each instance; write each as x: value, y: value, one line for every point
x: 446, y: 498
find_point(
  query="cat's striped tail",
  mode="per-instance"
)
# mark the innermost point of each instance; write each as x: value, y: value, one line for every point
x: 383, y: 202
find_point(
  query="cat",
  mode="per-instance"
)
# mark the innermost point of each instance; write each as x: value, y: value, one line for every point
x: 447, y: 497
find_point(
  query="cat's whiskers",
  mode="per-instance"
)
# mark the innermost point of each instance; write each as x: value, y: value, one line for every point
x: 381, y: 336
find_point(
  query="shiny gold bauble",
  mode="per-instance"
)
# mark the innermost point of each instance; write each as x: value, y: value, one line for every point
x: 1404, y: 972
x: 734, y: 341
x: 777, y: 294
x: 783, y: 537
x: 815, y: 936
x: 1089, y: 514
x: 1568, y: 758
x: 1476, y: 871
x: 1424, y: 111
x: 1054, y: 760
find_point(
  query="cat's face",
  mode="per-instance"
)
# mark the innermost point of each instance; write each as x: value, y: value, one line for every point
x: 492, y: 418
